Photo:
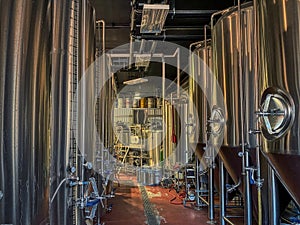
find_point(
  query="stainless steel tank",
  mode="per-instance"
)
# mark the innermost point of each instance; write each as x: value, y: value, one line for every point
x: 154, y: 143
x: 25, y: 108
x: 200, y: 62
x: 69, y: 61
x: 279, y: 69
x: 234, y: 68
x: 226, y: 62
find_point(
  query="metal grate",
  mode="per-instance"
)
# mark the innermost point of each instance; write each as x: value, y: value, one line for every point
x: 148, y: 209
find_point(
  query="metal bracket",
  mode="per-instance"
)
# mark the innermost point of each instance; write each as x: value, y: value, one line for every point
x: 1, y: 195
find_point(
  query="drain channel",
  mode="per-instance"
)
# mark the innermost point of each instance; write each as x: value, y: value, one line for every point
x: 148, y: 208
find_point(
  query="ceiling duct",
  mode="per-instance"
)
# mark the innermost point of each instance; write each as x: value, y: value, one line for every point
x: 153, y: 18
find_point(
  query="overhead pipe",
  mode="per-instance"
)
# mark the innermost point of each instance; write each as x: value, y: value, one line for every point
x: 189, y: 12
x: 133, y: 11
x: 169, y: 37
x: 216, y: 14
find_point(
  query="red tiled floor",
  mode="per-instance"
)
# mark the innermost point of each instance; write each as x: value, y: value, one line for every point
x: 128, y: 206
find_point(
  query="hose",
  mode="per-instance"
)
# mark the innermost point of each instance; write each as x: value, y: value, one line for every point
x: 259, y: 203
x: 56, y: 191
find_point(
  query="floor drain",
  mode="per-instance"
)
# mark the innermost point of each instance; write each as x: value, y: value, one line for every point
x: 148, y: 208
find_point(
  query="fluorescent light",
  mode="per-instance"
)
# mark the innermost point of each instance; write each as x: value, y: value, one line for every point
x: 153, y: 18
x: 135, y: 81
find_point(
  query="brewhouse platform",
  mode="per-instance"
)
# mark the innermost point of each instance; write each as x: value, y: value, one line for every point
x: 153, y: 205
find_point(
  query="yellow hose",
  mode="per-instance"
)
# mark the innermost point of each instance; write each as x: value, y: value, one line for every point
x: 259, y: 206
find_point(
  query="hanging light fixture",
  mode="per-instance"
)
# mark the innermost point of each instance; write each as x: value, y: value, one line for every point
x: 153, y: 18
x: 135, y: 81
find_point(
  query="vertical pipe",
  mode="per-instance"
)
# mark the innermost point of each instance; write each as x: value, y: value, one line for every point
x: 164, y: 109
x: 245, y: 158
x: 197, y: 183
x: 273, y: 197
x: 222, y: 193
x: 258, y: 172
x: 211, y: 212
x: 102, y: 100
x: 83, y: 95
x: 178, y: 73
x: 130, y: 51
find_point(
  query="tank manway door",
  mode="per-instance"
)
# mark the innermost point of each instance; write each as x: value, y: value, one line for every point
x: 276, y: 112
x: 216, y: 121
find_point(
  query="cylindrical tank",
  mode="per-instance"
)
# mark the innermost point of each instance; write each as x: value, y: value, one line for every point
x: 154, y: 142
x: 279, y: 69
x: 226, y: 62
x: 239, y: 90
x: 200, y: 64
x: 25, y: 107
x: 69, y: 61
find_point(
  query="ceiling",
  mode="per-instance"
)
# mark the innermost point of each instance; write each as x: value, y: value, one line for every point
x: 184, y: 25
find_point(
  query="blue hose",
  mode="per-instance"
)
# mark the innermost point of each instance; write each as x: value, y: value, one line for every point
x: 92, y: 203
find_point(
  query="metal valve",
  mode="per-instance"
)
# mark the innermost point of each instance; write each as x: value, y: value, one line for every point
x: 88, y: 165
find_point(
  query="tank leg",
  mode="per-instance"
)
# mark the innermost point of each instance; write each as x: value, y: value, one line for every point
x: 222, y: 194
x: 273, y: 197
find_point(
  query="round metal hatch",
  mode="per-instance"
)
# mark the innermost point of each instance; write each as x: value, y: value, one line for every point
x: 216, y: 121
x: 276, y: 112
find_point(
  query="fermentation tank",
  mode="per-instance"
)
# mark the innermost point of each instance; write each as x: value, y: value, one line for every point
x: 73, y: 50
x: 279, y: 69
x: 38, y: 78
x: 226, y: 67
x: 200, y: 69
x: 234, y: 67
x: 25, y: 108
